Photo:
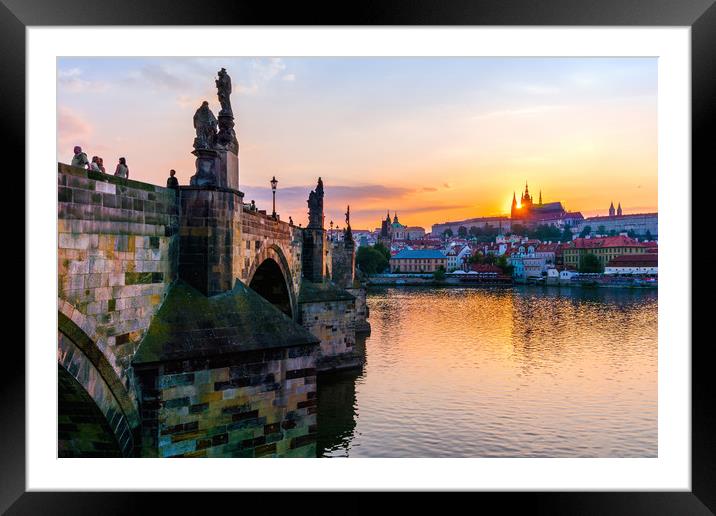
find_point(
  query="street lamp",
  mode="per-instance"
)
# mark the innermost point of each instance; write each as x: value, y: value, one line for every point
x: 274, y: 182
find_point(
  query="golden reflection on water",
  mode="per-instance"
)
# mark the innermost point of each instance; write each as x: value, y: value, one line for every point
x: 524, y: 372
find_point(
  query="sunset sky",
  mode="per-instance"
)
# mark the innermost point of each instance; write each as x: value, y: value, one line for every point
x: 434, y: 139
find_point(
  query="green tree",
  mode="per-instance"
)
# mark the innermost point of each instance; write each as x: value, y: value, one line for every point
x: 631, y: 233
x: 501, y: 262
x: 447, y: 233
x: 370, y: 260
x: 462, y: 232
x: 439, y: 274
x: 380, y: 247
x: 545, y: 232
x: 566, y: 235
x: 648, y: 235
x: 601, y: 230
x: 587, y: 230
x: 519, y: 229
x: 590, y: 263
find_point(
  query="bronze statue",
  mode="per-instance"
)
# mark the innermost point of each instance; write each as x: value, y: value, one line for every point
x: 205, y: 124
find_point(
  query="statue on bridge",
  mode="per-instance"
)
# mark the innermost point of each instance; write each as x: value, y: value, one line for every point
x: 347, y: 233
x: 315, y: 207
x: 205, y: 124
x: 223, y: 85
x: 226, y: 139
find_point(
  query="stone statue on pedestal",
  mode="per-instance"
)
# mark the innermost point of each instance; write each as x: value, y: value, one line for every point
x: 215, y: 146
x: 226, y: 139
x: 205, y: 124
x: 315, y: 206
x: 223, y: 85
x: 347, y: 233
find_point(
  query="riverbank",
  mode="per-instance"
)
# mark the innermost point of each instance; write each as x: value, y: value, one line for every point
x: 427, y: 280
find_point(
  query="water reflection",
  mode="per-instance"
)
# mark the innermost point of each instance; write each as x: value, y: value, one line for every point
x: 337, y: 409
x: 499, y: 372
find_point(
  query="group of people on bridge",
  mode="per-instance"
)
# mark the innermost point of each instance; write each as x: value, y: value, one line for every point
x: 122, y: 170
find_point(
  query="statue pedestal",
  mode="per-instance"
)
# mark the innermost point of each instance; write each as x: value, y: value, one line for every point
x: 207, y: 168
x: 227, y: 174
x: 227, y: 148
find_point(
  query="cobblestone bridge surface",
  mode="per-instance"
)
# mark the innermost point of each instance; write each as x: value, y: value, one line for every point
x: 185, y: 321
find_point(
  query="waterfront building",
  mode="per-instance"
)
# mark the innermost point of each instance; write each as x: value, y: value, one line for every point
x: 642, y: 263
x: 532, y: 260
x: 456, y: 256
x: 418, y: 260
x: 606, y: 249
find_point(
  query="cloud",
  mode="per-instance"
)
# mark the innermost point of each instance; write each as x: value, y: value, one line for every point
x: 71, y: 80
x: 338, y: 193
x: 72, y: 128
x: 518, y: 112
x: 161, y: 77
x: 290, y: 77
x: 535, y: 89
x: 267, y: 69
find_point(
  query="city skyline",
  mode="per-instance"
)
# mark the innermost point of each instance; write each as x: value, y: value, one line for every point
x: 434, y: 139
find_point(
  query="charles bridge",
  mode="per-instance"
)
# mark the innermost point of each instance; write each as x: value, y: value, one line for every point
x: 189, y: 322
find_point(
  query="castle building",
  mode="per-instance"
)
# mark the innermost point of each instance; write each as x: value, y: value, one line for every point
x: 529, y: 213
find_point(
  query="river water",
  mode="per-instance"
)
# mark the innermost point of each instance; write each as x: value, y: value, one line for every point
x: 522, y: 372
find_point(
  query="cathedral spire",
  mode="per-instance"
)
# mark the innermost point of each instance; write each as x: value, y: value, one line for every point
x: 611, y: 209
x: 540, y: 196
x: 619, y: 210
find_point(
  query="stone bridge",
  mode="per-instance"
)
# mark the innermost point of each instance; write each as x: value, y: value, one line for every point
x: 191, y: 324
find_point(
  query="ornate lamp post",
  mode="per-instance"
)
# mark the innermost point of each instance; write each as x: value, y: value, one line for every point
x: 274, y: 182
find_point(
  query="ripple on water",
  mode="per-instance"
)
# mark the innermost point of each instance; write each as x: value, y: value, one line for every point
x: 499, y: 373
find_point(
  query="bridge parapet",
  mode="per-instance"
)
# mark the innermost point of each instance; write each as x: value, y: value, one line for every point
x: 116, y: 258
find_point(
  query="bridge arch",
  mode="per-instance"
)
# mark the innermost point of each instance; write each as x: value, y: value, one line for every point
x: 96, y: 416
x: 270, y: 276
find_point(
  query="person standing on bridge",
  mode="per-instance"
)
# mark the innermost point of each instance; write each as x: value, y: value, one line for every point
x: 172, y: 181
x: 80, y: 158
x: 122, y: 169
x: 94, y: 166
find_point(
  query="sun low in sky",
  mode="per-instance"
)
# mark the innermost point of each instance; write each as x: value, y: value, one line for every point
x: 434, y: 139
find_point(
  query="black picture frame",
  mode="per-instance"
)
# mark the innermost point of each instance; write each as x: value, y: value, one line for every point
x: 700, y: 15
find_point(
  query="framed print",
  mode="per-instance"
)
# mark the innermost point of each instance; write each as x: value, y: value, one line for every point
x: 416, y: 250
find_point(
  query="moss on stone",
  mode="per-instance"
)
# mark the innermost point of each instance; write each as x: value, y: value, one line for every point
x: 191, y: 325
x: 318, y: 292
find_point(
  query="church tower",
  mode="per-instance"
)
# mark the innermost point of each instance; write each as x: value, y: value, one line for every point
x: 540, y: 197
x: 526, y: 199
x: 513, y: 211
x: 619, y: 210
x: 611, y: 209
